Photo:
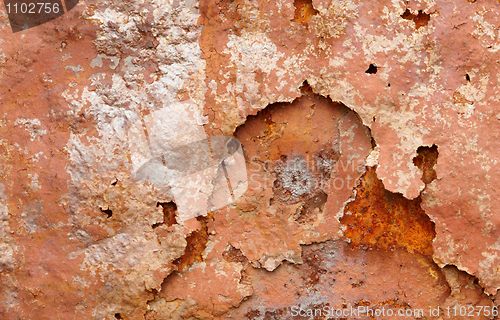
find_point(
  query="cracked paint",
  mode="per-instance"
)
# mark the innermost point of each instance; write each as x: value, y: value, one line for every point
x: 341, y: 108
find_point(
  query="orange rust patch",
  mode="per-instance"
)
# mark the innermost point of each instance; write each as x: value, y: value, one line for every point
x: 196, y: 244
x: 363, y: 303
x: 425, y: 161
x: 233, y: 254
x: 421, y: 19
x: 316, y: 269
x: 380, y: 219
x: 169, y: 214
x: 253, y: 314
x: 304, y: 11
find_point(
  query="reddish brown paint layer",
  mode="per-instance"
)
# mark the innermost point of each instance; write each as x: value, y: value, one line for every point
x: 34, y: 78
x: 337, y: 276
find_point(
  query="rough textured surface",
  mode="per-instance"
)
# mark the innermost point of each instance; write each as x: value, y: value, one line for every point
x: 380, y: 219
x: 370, y: 132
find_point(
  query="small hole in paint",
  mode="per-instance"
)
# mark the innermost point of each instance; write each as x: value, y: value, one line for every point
x: 372, y: 69
x: 108, y: 212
